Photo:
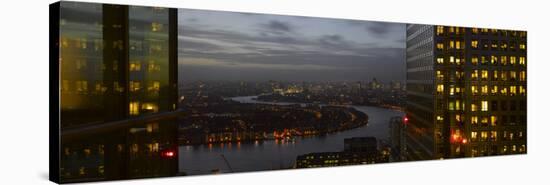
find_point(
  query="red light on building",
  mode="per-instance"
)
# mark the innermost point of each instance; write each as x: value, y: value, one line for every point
x: 464, y: 141
x: 168, y: 153
x: 406, y: 120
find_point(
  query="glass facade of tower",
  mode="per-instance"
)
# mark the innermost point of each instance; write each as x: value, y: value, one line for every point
x: 117, y: 66
x: 466, y: 91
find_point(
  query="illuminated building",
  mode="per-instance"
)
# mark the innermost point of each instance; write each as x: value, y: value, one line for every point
x: 117, y: 79
x: 357, y: 150
x: 466, y: 92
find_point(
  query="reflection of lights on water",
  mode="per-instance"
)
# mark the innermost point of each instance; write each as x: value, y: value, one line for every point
x: 256, y: 143
x: 239, y: 145
x: 210, y: 146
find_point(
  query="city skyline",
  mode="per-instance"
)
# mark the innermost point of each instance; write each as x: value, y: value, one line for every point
x: 155, y: 92
x: 287, y: 48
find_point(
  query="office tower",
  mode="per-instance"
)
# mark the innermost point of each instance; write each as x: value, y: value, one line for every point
x: 397, y: 140
x: 117, y: 91
x: 466, y: 92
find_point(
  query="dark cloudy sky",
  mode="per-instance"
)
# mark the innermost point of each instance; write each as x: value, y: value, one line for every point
x: 216, y: 45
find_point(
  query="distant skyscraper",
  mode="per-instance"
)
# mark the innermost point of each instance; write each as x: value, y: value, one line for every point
x: 397, y: 138
x: 116, y: 63
x: 466, y: 92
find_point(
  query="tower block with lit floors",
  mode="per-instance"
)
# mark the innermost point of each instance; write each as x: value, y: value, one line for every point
x: 118, y: 91
x: 466, y: 92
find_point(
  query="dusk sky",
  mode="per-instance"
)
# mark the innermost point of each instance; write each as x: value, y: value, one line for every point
x: 217, y: 45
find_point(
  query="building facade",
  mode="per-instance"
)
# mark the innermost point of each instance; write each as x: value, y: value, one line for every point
x: 397, y: 142
x: 117, y: 66
x: 466, y: 92
x: 357, y: 150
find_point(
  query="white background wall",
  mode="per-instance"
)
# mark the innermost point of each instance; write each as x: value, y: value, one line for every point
x: 24, y: 91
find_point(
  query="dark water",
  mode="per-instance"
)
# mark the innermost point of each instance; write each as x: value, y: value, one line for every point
x: 272, y: 154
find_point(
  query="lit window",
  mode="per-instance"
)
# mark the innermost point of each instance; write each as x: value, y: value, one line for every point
x: 473, y: 136
x: 504, y: 75
x: 81, y: 86
x: 451, y: 44
x: 512, y: 60
x: 495, y: 75
x: 484, y: 74
x: 117, y: 87
x: 522, y: 46
x: 451, y: 105
x: 512, y: 75
x: 522, y: 90
x: 459, y: 75
x: 154, y: 86
x: 521, y: 60
x: 503, y: 60
x: 494, y: 45
x: 494, y: 90
x: 475, y: 30
x: 458, y: 117
x: 439, y: 45
x: 484, y: 135
x: 504, y: 91
x: 156, y: 26
x: 134, y: 86
x: 493, y: 135
x: 475, y: 60
x: 474, y: 120
x: 440, y: 30
x: 134, y: 108
x: 503, y: 45
x: 473, y: 107
x: 483, y: 60
x: 512, y: 90
x: 474, y: 44
x: 135, y: 66
x: 474, y: 90
x: 440, y: 60
x: 452, y: 59
x: 458, y: 45
x: 474, y: 75
x: 440, y: 88
x: 484, y: 106
x: 494, y: 59
x: 440, y: 75
x: 149, y: 107
x: 484, y: 89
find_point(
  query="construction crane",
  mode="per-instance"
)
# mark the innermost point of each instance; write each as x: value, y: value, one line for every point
x: 227, y: 163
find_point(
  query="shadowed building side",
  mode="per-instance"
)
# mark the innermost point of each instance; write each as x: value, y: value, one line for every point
x: 117, y: 65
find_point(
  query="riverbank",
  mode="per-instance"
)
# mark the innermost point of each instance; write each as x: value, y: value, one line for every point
x: 234, y: 121
x: 273, y: 154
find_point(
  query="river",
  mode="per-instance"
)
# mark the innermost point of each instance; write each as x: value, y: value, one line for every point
x: 271, y: 154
